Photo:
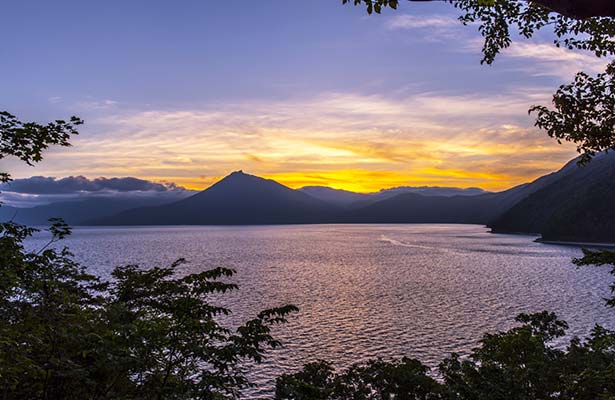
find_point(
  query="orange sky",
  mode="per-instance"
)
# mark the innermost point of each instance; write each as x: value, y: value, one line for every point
x: 346, y: 141
x: 401, y: 99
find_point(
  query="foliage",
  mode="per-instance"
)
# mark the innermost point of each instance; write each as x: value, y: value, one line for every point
x: 496, y: 21
x: 584, y: 109
x: 376, y: 380
x: 584, y: 113
x: 599, y: 258
x: 147, y: 334
x: 520, y: 364
x: 576, y: 205
x: 374, y: 5
x: 153, y: 334
x: 65, y: 334
x: 28, y: 140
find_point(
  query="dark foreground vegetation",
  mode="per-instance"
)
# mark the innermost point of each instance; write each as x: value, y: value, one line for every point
x: 519, y: 364
x: 147, y: 335
x: 153, y: 334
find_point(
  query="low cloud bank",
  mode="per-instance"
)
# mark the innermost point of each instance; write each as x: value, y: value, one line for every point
x: 38, y: 190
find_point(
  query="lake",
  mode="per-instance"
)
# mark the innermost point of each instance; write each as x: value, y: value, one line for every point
x: 369, y: 290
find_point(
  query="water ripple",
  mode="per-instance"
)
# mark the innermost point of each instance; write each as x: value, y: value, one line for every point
x: 368, y: 291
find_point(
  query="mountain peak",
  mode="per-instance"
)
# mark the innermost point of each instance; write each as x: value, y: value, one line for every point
x: 238, y: 175
x: 240, y: 181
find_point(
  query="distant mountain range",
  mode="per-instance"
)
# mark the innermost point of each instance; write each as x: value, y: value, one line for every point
x: 238, y: 199
x: 77, y: 212
x: 344, y: 197
x: 572, y: 204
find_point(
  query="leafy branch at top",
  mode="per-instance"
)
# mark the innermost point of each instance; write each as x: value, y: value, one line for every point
x: 28, y: 140
x: 584, y: 111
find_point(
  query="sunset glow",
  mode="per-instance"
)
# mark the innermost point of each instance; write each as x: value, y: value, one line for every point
x: 440, y: 119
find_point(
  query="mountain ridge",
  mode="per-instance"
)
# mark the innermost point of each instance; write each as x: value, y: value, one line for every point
x: 237, y: 199
x: 573, y: 203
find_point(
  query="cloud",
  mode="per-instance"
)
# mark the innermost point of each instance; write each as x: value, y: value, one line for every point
x: 538, y: 59
x: 406, y: 21
x: 78, y: 184
x: 440, y: 28
x: 91, y: 104
x: 29, y: 192
x: 470, y: 139
x: 545, y: 59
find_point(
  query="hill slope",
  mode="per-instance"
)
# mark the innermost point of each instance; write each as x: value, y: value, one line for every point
x: 579, y: 205
x: 574, y: 204
x: 76, y: 212
x: 238, y: 199
x: 334, y: 196
x: 416, y: 208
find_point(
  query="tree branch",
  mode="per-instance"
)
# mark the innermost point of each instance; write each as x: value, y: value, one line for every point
x: 577, y: 9
x: 580, y: 9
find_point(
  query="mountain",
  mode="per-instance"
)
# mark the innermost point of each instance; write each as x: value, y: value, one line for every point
x: 238, y: 199
x: 429, y: 191
x: 417, y: 208
x: 242, y: 199
x: 356, y: 200
x: 576, y: 204
x: 444, y: 205
x: 572, y: 204
x: 334, y: 196
x: 76, y: 212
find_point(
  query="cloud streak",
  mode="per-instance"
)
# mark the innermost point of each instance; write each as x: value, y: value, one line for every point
x: 37, y: 190
x: 350, y: 139
x: 406, y: 21
x: 80, y: 184
x: 544, y: 59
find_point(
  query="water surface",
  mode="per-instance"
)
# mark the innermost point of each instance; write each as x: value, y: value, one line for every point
x: 365, y: 291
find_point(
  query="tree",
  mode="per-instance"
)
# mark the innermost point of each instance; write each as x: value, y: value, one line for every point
x: 577, y: 9
x: 522, y: 363
x: 519, y: 364
x: 148, y: 334
x: 599, y: 258
x: 583, y: 110
x: 404, y: 379
x: 27, y: 141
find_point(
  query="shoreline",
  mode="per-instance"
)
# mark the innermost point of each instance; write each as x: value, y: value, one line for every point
x: 576, y: 244
x: 539, y: 239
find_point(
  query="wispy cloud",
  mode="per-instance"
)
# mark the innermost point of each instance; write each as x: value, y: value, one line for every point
x: 440, y: 28
x: 37, y: 190
x: 426, y: 138
x: 537, y: 58
x: 90, y: 104
x: 406, y: 21
x: 545, y: 59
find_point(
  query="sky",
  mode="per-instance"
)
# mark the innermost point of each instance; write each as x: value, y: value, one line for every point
x: 303, y: 92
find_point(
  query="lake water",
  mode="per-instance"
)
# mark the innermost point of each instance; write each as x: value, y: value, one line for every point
x: 369, y: 290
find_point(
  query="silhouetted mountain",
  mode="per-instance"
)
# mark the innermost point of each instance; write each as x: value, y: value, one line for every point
x: 416, y: 208
x: 76, y: 212
x: 334, y: 196
x: 245, y: 199
x: 429, y: 191
x: 237, y: 199
x: 575, y: 204
x: 356, y: 200
x: 474, y: 206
